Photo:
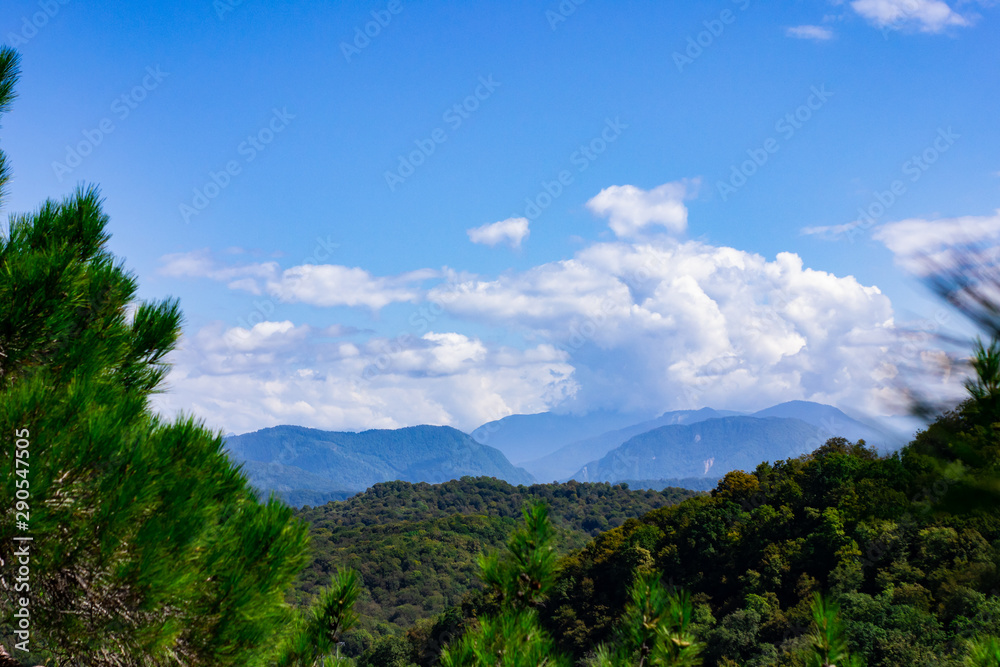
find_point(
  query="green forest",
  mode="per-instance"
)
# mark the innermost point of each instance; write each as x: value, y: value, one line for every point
x: 415, y: 546
x: 150, y: 547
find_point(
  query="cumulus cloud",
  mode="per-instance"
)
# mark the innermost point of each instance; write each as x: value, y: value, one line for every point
x: 672, y: 325
x: 279, y: 373
x: 923, y: 15
x: 333, y: 285
x: 510, y: 231
x: 630, y: 209
x: 814, y: 32
x: 642, y: 324
x: 915, y: 240
x: 313, y: 284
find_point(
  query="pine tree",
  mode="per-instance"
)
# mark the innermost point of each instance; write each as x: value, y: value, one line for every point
x: 317, y: 634
x: 149, y: 547
x: 522, y: 577
x: 655, y: 629
x: 828, y: 645
x: 984, y: 652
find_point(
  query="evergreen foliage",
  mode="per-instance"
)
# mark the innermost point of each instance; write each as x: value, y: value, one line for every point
x: 829, y: 646
x: 655, y: 629
x: 316, y: 636
x: 415, y: 546
x: 521, y: 578
x: 149, y: 547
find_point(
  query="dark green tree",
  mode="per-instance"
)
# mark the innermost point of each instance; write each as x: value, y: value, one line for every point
x: 828, y: 644
x: 316, y: 637
x: 655, y: 630
x: 149, y: 547
x: 522, y: 577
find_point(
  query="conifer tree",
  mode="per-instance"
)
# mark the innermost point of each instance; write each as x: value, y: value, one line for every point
x: 148, y: 545
x: 522, y: 577
x: 316, y: 635
x: 655, y: 629
x: 828, y: 646
x: 984, y: 652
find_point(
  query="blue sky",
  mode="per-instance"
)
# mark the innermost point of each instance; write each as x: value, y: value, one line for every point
x: 321, y: 289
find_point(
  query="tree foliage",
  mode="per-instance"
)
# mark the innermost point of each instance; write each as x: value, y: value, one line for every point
x: 416, y: 546
x: 149, y: 547
x: 521, y: 577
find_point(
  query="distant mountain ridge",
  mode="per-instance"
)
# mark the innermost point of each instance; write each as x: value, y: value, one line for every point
x: 563, y: 462
x: 707, y: 448
x: 295, y: 458
x: 525, y: 437
x: 311, y: 466
x: 834, y: 423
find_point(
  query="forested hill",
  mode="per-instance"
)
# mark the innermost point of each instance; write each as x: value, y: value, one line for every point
x: 303, y: 464
x: 415, y: 545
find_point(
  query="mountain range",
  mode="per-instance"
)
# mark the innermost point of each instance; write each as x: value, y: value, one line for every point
x: 563, y: 462
x: 335, y: 464
x: 706, y: 448
x: 311, y: 466
x: 566, y: 461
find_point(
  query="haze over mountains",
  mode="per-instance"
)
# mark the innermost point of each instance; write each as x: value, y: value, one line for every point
x: 563, y: 462
x: 293, y: 459
x: 310, y: 466
x: 708, y: 448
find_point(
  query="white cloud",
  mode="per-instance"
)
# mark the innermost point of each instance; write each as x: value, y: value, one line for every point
x: 915, y: 240
x: 313, y: 284
x: 815, y: 32
x: 923, y: 15
x: 510, y: 231
x: 278, y: 373
x: 631, y: 209
x: 831, y: 232
x: 333, y: 285
x: 670, y: 325
x: 639, y: 325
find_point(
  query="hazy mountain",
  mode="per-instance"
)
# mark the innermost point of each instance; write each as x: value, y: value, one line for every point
x: 311, y: 466
x: 526, y: 437
x: 294, y: 458
x: 833, y: 422
x: 708, y: 448
x: 292, y: 484
x: 551, y: 447
x: 563, y: 462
